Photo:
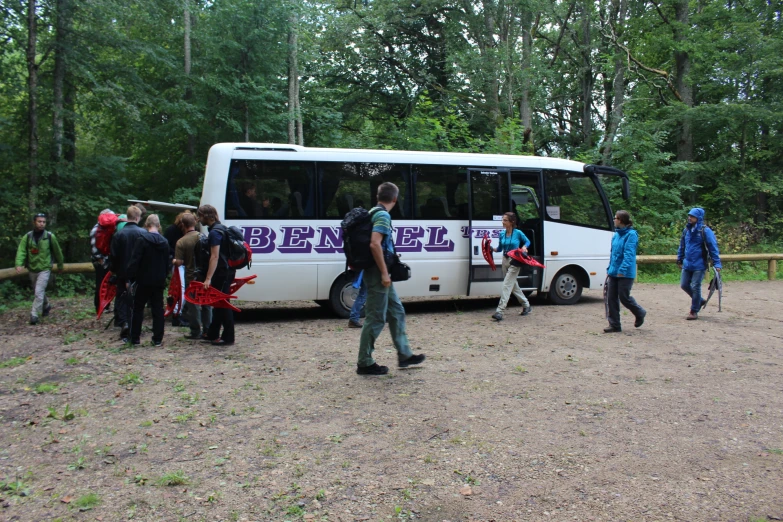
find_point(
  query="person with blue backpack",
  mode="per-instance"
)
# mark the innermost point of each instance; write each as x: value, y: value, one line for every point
x: 621, y: 272
x: 698, y: 247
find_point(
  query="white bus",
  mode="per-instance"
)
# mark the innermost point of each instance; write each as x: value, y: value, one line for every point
x: 289, y: 201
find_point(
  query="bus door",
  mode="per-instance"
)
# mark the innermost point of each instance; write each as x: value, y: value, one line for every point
x: 526, y: 198
x: 489, y: 199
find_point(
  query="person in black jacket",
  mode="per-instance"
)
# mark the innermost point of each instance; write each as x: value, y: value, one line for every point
x: 147, y: 270
x: 121, y: 249
x: 219, y: 275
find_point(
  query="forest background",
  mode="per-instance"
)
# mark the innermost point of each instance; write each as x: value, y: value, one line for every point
x: 106, y: 100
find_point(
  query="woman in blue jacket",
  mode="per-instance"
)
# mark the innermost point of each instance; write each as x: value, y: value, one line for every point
x: 509, y: 239
x: 622, y: 271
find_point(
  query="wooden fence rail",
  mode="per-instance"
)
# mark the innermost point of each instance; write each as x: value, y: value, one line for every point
x: 771, y: 259
x: 772, y: 264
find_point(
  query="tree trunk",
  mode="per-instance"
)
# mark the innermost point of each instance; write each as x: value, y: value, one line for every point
x: 191, y: 144
x: 616, y: 98
x: 587, y: 80
x: 525, y: 111
x: 682, y: 82
x: 299, y: 129
x: 61, y: 50
x: 293, y: 73
x: 32, y: 101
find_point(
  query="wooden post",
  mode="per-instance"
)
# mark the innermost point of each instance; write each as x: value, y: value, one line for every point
x: 772, y: 267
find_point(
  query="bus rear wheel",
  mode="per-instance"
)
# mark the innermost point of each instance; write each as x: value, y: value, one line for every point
x: 342, y: 295
x: 566, y: 288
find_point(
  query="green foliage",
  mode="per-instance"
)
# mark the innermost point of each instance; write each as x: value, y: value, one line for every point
x: 13, y: 362
x: 173, y: 478
x: 385, y: 74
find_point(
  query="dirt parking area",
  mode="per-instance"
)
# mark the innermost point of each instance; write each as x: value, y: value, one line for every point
x: 535, y: 418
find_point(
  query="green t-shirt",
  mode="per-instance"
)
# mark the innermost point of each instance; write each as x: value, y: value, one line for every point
x: 186, y: 251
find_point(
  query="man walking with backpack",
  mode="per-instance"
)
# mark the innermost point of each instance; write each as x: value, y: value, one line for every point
x: 697, y: 247
x: 219, y: 274
x: 37, y: 251
x: 382, y: 301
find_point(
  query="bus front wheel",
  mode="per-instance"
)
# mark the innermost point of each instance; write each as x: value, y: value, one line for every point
x: 342, y: 295
x: 566, y: 288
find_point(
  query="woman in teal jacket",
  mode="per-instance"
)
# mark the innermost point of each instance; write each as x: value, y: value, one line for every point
x: 621, y: 272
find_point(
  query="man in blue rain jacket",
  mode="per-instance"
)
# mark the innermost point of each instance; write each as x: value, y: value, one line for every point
x: 697, y: 247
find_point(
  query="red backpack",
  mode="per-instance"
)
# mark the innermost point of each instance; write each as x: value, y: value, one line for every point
x: 107, y: 226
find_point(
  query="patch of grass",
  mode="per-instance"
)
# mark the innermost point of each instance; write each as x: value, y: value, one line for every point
x: 295, y: 511
x: 775, y: 451
x: 88, y: 501
x: 73, y: 360
x: 15, y: 487
x: 80, y: 463
x: 173, y: 478
x: 337, y: 438
x: 520, y: 369
x: 68, y: 413
x: 13, y: 362
x: 145, y: 424
x: 71, y: 338
x: 131, y: 378
x: 185, y: 417
x: 46, y: 387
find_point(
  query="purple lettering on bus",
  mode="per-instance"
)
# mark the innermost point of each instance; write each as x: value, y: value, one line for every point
x: 260, y: 239
x: 330, y: 240
x: 437, y: 242
x: 407, y: 239
x: 295, y: 240
x: 479, y: 232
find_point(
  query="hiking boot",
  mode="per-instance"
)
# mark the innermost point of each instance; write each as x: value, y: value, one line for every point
x: 640, y: 320
x: 157, y: 343
x: 413, y: 359
x: 612, y: 329
x: 526, y: 310
x: 703, y: 304
x: 354, y: 324
x: 692, y: 316
x: 374, y: 369
x: 497, y: 316
x: 33, y: 319
x: 46, y: 310
x: 125, y: 332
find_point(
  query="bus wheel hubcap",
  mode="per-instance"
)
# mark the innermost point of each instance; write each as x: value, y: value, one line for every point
x: 566, y: 286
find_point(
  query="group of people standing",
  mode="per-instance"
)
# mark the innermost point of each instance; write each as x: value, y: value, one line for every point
x: 141, y: 261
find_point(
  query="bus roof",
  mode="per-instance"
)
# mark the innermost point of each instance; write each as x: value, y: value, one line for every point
x: 282, y: 151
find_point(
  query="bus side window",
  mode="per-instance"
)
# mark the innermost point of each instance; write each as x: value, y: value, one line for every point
x: 266, y: 189
x: 573, y: 197
x: 441, y: 192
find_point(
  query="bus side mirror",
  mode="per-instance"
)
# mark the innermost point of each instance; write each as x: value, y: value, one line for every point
x: 626, y: 189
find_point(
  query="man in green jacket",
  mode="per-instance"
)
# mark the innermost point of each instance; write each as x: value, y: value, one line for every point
x: 37, y: 251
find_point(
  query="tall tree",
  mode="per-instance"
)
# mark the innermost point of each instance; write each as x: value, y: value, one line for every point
x: 32, y: 103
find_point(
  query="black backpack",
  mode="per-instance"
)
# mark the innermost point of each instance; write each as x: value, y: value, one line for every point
x: 201, y: 257
x: 237, y: 253
x: 357, y: 231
